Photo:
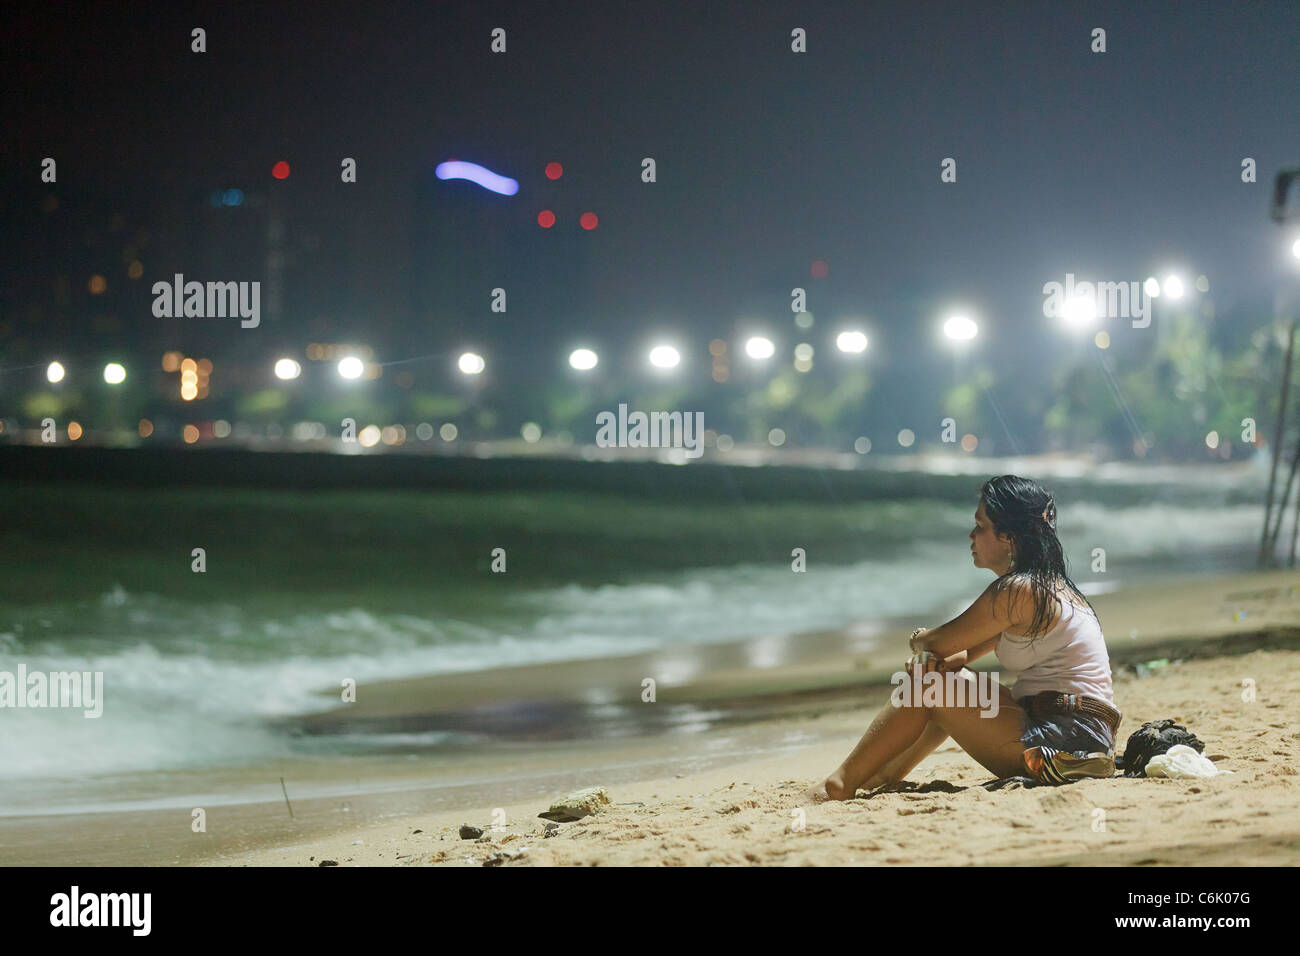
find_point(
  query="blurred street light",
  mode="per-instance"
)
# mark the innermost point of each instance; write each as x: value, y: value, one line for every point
x: 960, y: 328
x: 287, y: 369
x: 1079, y: 311
x: 851, y: 341
x: 664, y: 356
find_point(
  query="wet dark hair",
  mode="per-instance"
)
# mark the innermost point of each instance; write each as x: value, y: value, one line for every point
x: 1025, y: 511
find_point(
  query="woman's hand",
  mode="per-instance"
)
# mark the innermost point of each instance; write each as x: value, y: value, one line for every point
x: 926, y: 661
x: 911, y: 641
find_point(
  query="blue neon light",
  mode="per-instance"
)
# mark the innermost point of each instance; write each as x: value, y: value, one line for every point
x: 475, y: 173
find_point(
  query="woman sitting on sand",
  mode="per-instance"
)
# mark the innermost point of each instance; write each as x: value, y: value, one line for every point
x: 1058, y: 722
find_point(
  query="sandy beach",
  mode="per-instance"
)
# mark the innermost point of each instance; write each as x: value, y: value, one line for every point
x: 714, y: 771
x: 389, y: 468
x: 1217, y: 634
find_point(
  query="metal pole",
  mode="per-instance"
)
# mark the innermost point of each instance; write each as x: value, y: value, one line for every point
x: 1286, y: 500
x: 1264, y: 543
x: 1295, y: 530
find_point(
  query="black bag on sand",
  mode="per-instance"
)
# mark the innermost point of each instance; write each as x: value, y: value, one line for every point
x: 1154, y: 737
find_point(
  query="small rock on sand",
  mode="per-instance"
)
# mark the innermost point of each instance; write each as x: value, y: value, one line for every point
x: 577, y: 805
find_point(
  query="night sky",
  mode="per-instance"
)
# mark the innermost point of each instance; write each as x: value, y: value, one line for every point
x: 1112, y: 165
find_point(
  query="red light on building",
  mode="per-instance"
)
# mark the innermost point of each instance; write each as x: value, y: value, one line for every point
x: 280, y: 170
x: 546, y: 219
x: 588, y: 220
x: 554, y: 170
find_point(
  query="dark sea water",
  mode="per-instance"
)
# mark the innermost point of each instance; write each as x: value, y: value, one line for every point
x: 304, y: 587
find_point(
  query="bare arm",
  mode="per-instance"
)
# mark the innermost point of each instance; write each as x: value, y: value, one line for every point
x: 980, y: 624
x: 962, y: 658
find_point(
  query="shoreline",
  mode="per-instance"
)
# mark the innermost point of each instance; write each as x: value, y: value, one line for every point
x: 1173, y: 608
x: 798, y: 716
x: 751, y: 812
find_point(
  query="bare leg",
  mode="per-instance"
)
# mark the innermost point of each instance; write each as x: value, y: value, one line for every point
x: 894, y: 732
x: 901, y: 737
x: 897, y: 769
x: 994, y: 742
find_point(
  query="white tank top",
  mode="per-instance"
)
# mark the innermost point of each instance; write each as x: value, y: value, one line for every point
x: 1071, y: 658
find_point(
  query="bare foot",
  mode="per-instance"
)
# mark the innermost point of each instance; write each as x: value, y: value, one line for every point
x: 815, y: 794
x: 829, y: 789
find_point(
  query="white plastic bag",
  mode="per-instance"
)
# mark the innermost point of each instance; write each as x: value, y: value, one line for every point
x: 1181, y: 762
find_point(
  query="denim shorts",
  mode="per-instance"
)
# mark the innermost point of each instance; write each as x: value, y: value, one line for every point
x: 1067, y: 732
